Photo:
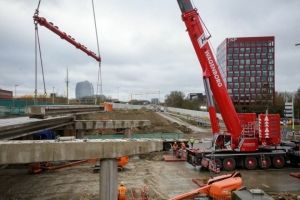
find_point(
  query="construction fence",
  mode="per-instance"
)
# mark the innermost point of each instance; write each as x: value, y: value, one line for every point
x: 17, y: 107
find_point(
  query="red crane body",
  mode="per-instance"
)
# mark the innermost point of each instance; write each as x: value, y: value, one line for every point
x: 43, y: 22
x: 250, y: 141
x: 210, y: 69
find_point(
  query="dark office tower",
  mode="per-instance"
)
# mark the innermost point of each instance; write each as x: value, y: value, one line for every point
x: 84, y: 89
x: 248, y: 68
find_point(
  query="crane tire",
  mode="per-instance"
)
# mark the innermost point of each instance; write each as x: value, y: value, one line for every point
x: 267, y: 163
x: 278, y: 161
x: 229, y: 164
x: 250, y: 162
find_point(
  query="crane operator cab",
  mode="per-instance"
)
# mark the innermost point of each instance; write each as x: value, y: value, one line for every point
x: 222, y: 141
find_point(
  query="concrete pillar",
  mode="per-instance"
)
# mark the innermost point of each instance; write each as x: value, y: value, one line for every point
x: 79, y: 134
x: 108, y: 179
x: 128, y: 133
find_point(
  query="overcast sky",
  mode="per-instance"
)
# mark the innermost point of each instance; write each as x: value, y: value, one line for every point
x: 143, y: 43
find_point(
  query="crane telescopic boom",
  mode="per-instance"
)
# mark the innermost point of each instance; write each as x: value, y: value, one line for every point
x: 210, y: 69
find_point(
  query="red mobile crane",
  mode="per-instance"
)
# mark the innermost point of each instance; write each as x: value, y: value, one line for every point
x: 247, y: 142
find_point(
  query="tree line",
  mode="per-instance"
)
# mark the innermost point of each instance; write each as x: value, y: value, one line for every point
x: 178, y: 99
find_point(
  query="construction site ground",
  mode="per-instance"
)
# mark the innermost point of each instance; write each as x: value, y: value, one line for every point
x: 162, y: 179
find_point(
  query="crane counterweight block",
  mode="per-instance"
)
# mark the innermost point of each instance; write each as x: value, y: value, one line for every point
x: 49, y: 25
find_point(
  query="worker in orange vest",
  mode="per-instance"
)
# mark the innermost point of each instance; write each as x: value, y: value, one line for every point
x: 175, y: 148
x: 122, y: 191
x: 183, y: 146
x: 183, y: 150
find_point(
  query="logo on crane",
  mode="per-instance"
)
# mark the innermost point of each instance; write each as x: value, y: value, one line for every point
x: 213, y: 68
x: 202, y: 40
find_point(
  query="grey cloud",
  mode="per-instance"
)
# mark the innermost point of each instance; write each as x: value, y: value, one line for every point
x: 143, y: 43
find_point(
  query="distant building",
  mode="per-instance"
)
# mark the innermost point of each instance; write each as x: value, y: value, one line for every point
x: 84, y: 89
x: 196, y: 96
x: 155, y: 101
x: 6, y: 94
x: 248, y: 65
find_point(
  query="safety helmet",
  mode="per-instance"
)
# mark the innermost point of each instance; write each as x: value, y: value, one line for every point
x: 122, y: 183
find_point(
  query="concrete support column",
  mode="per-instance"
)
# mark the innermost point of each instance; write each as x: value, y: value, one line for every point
x: 128, y: 133
x: 79, y: 134
x: 108, y: 179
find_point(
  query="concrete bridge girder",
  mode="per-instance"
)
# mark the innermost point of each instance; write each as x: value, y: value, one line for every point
x: 109, y: 124
x: 29, y: 151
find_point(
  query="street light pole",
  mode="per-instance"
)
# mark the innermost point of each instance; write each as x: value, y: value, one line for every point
x: 293, y: 119
x: 297, y: 44
x: 16, y: 85
x: 53, y: 95
x: 14, y: 97
x: 118, y: 93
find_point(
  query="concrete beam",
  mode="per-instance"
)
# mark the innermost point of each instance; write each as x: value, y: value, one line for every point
x: 28, y: 151
x: 109, y: 124
x: 16, y: 127
x: 44, y: 111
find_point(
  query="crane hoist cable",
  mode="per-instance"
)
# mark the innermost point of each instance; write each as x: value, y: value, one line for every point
x: 39, y: 53
x: 98, y: 48
x: 49, y: 25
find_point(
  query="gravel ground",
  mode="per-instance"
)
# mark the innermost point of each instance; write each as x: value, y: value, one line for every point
x: 163, y: 180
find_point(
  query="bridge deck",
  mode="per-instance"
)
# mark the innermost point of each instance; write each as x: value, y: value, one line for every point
x: 16, y: 127
x: 28, y: 151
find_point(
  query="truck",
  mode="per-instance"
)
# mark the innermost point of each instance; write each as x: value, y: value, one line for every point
x: 250, y: 140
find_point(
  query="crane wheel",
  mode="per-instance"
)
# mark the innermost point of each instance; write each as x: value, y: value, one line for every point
x: 278, y: 161
x: 229, y: 164
x: 218, y: 163
x: 265, y: 163
x: 250, y: 162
